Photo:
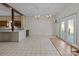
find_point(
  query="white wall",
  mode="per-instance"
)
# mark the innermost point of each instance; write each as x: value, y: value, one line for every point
x: 71, y: 9
x: 41, y: 26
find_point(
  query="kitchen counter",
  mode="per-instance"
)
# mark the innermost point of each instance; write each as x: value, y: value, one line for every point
x: 10, y: 30
x: 9, y: 36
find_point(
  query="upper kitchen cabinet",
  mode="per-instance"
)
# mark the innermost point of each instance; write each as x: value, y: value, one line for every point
x: 5, y: 16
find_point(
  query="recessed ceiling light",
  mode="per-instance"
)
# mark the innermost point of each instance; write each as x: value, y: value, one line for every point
x: 48, y: 16
x: 37, y: 16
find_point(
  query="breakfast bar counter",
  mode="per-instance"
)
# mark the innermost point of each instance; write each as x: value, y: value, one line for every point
x: 9, y: 36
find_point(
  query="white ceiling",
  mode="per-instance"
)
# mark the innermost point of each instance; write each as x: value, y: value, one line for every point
x: 5, y: 11
x: 33, y: 9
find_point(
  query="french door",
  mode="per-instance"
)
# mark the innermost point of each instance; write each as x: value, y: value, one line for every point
x: 62, y: 30
x: 68, y: 29
x: 71, y: 29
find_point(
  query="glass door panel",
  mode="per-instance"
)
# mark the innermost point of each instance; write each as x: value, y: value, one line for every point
x: 62, y: 30
x: 71, y: 30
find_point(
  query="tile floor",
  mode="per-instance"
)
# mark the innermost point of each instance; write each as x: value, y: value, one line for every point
x: 31, y: 46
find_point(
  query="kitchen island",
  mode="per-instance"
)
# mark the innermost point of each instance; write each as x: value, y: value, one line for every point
x: 9, y: 36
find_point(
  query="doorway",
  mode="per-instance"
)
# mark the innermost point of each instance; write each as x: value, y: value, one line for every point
x: 68, y: 28
x: 62, y: 30
x: 71, y: 29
